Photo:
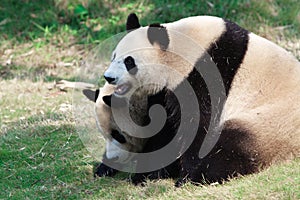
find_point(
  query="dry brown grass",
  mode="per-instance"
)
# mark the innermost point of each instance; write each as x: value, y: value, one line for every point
x: 20, y: 99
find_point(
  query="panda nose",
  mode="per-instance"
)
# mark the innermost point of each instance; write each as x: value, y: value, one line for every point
x: 109, y: 79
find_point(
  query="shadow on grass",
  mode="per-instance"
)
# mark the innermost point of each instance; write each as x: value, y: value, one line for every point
x: 93, y: 20
x: 27, y: 20
x: 44, y: 157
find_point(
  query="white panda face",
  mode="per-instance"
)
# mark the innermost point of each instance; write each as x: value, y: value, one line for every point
x: 117, y: 67
x: 126, y: 61
x: 120, y: 70
x: 147, y: 59
x: 120, y: 145
x: 117, y: 147
x: 134, y: 63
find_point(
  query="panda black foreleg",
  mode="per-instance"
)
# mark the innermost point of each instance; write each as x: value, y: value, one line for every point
x: 190, y: 168
x: 201, y: 171
x: 189, y: 162
x: 234, y: 154
x: 138, y: 179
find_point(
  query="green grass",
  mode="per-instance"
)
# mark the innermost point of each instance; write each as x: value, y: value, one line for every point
x: 43, y: 35
x: 92, y: 21
x: 44, y: 158
x: 41, y: 154
x: 39, y: 159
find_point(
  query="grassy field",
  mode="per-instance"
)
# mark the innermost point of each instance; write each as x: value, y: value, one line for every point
x: 42, y: 42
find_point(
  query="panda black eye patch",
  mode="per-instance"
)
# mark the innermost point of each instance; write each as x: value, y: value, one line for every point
x: 130, y: 65
x: 117, y: 136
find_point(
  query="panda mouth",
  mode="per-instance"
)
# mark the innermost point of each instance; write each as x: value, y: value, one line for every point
x: 122, y: 88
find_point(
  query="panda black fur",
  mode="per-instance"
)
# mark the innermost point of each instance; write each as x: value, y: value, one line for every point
x: 260, y: 117
x: 111, y: 132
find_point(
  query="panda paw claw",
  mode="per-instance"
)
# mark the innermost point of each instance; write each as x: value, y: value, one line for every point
x: 180, y: 182
x: 138, y: 179
x: 103, y: 170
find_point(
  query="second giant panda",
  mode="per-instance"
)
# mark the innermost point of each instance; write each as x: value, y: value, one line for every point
x: 120, y: 144
x: 258, y: 117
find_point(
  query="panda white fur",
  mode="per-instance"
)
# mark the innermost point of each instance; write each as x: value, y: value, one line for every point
x: 261, y: 114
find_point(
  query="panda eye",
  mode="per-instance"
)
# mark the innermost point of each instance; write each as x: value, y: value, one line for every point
x: 117, y: 136
x: 130, y: 65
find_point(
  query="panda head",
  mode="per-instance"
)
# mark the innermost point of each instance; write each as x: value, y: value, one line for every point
x: 138, y: 58
x: 119, y: 144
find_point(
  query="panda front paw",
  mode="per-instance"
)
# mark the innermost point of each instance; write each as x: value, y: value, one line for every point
x: 103, y: 170
x: 194, y: 179
x: 180, y: 182
x: 138, y: 179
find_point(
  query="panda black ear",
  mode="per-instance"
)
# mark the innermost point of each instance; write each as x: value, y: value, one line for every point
x: 107, y: 100
x: 132, y: 22
x: 113, y: 101
x: 91, y: 95
x: 158, y: 34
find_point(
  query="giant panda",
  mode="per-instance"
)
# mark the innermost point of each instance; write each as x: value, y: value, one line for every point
x: 258, y: 119
x: 120, y: 144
